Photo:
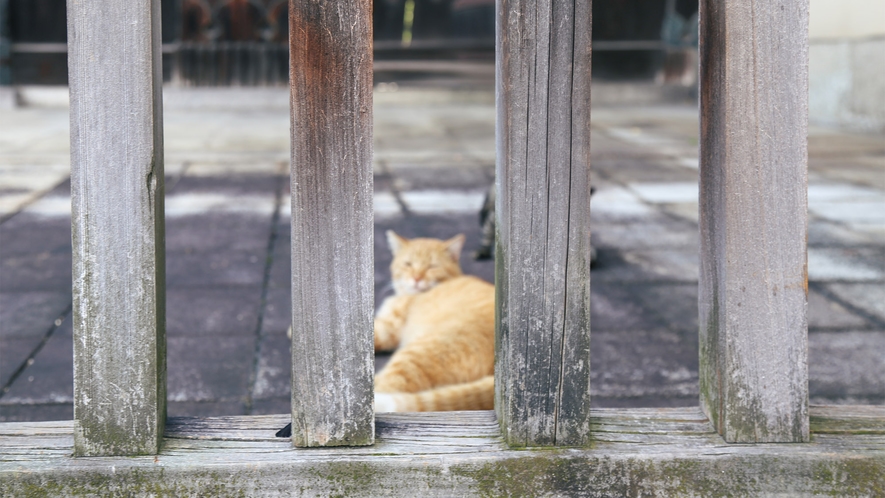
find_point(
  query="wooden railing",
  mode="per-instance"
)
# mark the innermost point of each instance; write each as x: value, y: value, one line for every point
x: 753, y: 287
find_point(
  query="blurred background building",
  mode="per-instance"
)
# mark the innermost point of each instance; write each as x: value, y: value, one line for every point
x: 847, y: 64
x: 651, y: 42
x: 243, y: 42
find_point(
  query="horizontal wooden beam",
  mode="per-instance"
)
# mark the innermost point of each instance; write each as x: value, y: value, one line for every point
x: 659, y: 452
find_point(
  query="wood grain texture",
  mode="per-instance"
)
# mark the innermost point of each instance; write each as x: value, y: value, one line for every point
x: 636, y: 452
x: 332, y: 223
x: 118, y: 230
x: 543, y: 239
x: 753, y: 220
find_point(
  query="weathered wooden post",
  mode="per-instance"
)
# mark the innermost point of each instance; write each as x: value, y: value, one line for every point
x: 118, y: 234
x: 753, y: 278
x: 332, y: 222
x: 542, y: 373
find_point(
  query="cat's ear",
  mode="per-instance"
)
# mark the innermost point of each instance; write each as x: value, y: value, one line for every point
x: 454, y: 246
x: 395, y: 241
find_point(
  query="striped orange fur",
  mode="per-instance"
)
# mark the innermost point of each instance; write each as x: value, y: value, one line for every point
x: 442, y: 325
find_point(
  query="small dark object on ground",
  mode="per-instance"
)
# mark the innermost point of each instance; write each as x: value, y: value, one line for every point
x: 285, y: 431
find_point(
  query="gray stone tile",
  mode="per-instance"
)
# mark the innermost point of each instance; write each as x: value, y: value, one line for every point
x: 822, y: 233
x: 666, y: 192
x: 847, y: 366
x: 204, y: 408
x: 825, y: 313
x: 663, y: 265
x: 36, y: 412
x: 437, y: 201
x: 645, y: 235
x: 231, y: 185
x: 13, y: 355
x: 277, y: 311
x: 191, y: 203
x: 650, y: 363
x: 385, y: 206
x: 209, y: 368
x: 39, y: 271
x: 26, y: 233
x: 846, y: 264
x: 675, y: 304
x: 281, y: 264
x: 441, y: 177
x: 274, y: 368
x: 649, y: 401
x: 205, y: 311
x: 615, y: 308
x: 213, y: 268
x: 272, y: 406
x: 618, y: 205
x: 688, y: 211
x: 50, y: 379
x: 870, y: 297
x: 648, y: 167
x: 31, y: 314
x: 216, y: 231
x: 612, y: 267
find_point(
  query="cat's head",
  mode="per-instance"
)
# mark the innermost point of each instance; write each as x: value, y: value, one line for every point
x: 421, y: 264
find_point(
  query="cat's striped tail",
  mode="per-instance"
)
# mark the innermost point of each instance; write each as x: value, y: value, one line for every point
x: 476, y: 395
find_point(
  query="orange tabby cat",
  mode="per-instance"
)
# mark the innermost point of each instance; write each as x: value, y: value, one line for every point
x: 443, y: 324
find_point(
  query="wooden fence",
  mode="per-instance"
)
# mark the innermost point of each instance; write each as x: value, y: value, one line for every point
x: 753, y: 286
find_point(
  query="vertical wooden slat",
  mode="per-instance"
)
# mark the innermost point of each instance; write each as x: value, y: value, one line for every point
x: 754, y: 283
x: 118, y: 234
x: 332, y: 222
x: 543, y: 240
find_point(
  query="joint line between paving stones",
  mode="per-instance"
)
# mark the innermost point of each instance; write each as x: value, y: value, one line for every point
x: 30, y: 359
x: 878, y: 323
x: 397, y: 195
x: 265, y: 283
x: 185, y: 166
x: 40, y: 195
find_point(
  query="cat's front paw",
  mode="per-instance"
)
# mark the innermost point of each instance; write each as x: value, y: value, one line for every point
x: 385, y: 402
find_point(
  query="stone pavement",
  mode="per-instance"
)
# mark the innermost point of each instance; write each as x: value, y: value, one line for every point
x: 227, y: 246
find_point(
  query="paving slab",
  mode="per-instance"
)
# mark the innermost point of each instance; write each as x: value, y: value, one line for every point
x: 49, y: 379
x: 869, y: 297
x: 645, y: 234
x: 274, y: 374
x: 32, y: 314
x: 38, y: 271
x: 647, y: 363
x: 846, y: 264
x: 846, y: 367
x: 675, y: 305
x: 36, y: 412
x: 825, y: 313
x: 613, y: 307
x: 209, y: 368
x: 212, y: 311
x: 215, y: 268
